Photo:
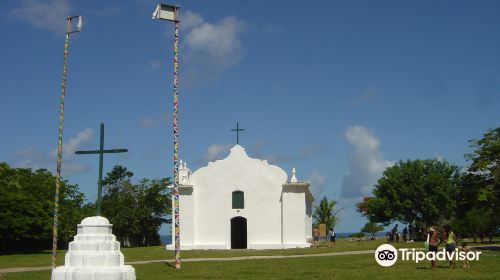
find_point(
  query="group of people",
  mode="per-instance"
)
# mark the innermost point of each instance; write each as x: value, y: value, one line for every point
x: 409, y: 234
x: 447, y: 237
x: 331, y: 237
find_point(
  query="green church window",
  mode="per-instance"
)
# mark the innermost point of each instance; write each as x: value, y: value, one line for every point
x: 238, y: 200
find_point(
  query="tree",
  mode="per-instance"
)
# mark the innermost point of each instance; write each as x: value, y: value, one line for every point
x: 324, y: 213
x: 478, y: 198
x: 413, y: 192
x: 117, y: 179
x: 154, y: 202
x: 26, y: 203
x: 358, y: 235
x: 372, y: 228
x: 136, y: 211
x: 486, y: 158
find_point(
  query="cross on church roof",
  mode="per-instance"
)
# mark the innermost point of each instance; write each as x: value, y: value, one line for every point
x: 101, y: 153
x: 238, y: 129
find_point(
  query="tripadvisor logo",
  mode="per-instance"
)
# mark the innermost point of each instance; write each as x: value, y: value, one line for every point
x: 387, y: 255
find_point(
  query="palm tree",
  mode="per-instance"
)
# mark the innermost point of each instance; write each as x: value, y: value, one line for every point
x: 324, y: 213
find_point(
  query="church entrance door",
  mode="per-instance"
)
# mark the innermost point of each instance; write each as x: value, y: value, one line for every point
x: 238, y: 233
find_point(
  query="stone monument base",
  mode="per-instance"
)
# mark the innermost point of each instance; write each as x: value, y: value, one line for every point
x: 94, y: 254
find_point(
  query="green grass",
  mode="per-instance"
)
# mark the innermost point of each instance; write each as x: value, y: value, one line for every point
x: 335, y: 267
x: 159, y: 253
x: 43, y: 258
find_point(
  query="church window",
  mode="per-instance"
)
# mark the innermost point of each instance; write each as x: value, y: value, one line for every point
x: 238, y: 200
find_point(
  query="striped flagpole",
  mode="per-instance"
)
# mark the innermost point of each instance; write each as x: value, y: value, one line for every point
x: 176, y: 150
x: 59, y: 155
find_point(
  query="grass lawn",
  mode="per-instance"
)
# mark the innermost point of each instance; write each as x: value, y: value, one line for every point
x: 43, y: 258
x: 335, y: 267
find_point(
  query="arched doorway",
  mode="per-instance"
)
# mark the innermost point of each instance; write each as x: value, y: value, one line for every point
x: 238, y: 233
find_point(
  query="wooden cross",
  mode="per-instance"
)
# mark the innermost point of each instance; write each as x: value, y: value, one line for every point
x: 238, y: 129
x: 101, y: 153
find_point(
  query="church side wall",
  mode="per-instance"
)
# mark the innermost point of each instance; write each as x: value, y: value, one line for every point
x: 294, y: 212
x: 186, y: 203
x: 309, y: 220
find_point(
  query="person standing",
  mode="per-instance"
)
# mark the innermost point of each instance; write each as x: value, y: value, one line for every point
x: 411, y: 232
x: 449, y: 237
x: 465, y: 249
x: 394, y: 232
x: 316, y: 236
x: 433, y: 244
x: 405, y: 234
x: 331, y: 234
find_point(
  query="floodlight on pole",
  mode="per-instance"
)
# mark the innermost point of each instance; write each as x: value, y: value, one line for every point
x: 166, y: 12
x: 70, y: 21
x: 71, y: 27
x: 171, y: 13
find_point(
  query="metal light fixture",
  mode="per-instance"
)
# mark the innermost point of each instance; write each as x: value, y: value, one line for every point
x: 70, y: 22
x: 166, y: 12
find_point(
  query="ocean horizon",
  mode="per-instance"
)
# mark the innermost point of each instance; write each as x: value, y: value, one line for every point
x: 167, y: 239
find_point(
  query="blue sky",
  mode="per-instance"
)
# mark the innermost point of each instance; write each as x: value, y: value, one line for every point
x: 338, y: 89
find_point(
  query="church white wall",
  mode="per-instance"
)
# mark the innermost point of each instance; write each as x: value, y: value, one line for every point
x: 186, y: 203
x: 213, y: 187
x: 294, y: 213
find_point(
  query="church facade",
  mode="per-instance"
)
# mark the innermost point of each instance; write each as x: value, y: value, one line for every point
x: 243, y: 203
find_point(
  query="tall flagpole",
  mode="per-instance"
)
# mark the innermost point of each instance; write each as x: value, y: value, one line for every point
x: 69, y: 30
x: 59, y: 154
x: 176, y: 149
x: 171, y: 13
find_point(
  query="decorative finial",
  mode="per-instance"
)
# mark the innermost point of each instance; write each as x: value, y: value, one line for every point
x: 293, y: 179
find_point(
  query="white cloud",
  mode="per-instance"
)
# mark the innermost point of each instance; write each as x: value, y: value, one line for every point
x: 30, y: 158
x: 73, y: 144
x: 273, y: 29
x: 366, y: 163
x: 70, y: 167
x: 439, y: 157
x: 191, y: 20
x: 317, y: 183
x: 215, y: 152
x: 303, y: 154
x: 33, y: 158
x: 154, y: 64
x: 209, y: 49
x: 49, y: 15
x: 147, y: 123
x: 275, y: 159
x: 367, y: 95
x: 310, y: 151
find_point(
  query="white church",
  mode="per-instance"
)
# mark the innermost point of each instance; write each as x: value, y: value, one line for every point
x: 243, y: 203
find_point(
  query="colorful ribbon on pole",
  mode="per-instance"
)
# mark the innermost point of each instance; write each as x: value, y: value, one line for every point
x: 176, y: 151
x: 59, y: 155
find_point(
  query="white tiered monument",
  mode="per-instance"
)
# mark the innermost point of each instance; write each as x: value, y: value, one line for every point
x: 94, y: 254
